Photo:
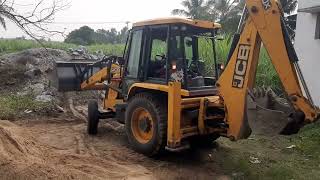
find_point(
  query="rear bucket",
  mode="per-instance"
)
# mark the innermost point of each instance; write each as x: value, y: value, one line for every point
x: 68, y: 76
x: 268, y: 114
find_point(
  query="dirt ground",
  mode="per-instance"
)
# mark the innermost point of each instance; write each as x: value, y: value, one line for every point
x: 59, y: 148
x: 47, y: 145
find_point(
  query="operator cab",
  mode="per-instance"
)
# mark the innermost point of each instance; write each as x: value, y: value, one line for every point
x: 173, y: 49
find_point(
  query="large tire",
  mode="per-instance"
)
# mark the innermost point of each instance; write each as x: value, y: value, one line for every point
x: 93, y: 118
x: 147, y: 131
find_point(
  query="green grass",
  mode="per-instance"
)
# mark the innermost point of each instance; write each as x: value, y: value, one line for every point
x: 308, y: 140
x: 108, y: 49
x: 9, y: 46
x: 266, y: 75
x: 13, y: 106
x: 277, y: 161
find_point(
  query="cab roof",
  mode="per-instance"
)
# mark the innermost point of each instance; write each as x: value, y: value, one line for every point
x: 174, y: 20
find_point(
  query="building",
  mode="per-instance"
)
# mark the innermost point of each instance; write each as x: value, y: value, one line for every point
x: 307, y: 45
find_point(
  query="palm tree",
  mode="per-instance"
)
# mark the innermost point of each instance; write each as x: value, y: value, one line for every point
x: 195, y: 9
x: 226, y: 12
x: 288, y: 7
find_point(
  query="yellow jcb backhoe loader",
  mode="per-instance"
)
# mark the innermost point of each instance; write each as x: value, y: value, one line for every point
x: 168, y: 88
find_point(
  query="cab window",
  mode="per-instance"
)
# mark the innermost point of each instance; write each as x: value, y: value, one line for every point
x: 134, y: 54
x: 158, y: 53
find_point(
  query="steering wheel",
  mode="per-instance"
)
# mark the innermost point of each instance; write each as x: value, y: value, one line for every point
x: 161, y: 56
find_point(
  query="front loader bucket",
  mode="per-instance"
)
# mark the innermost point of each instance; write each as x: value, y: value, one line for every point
x: 68, y: 76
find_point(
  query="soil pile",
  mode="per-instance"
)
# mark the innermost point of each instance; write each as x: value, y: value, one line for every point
x: 57, y: 155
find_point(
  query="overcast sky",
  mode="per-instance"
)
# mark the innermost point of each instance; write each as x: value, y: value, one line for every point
x: 95, y: 12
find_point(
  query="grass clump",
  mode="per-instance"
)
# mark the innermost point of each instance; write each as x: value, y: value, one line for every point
x: 278, y: 173
x: 308, y: 140
x: 14, y: 106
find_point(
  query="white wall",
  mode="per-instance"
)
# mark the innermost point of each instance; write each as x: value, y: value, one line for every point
x: 308, y: 3
x: 308, y: 50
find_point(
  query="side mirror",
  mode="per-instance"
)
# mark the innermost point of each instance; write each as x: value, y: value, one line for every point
x: 219, y: 38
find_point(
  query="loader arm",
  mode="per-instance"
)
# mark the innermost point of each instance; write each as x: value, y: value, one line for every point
x: 262, y: 23
x: 95, y: 82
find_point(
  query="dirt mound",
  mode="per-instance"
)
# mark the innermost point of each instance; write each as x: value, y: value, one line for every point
x: 22, y: 156
x: 28, y: 72
x: 18, y: 151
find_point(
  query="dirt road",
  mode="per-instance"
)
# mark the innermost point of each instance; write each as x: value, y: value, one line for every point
x: 60, y: 149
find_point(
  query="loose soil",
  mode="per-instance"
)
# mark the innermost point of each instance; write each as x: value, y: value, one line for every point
x: 59, y: 148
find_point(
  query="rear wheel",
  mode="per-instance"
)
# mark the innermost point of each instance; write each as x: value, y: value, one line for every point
x: 146, y: 124
x: 93, y: 118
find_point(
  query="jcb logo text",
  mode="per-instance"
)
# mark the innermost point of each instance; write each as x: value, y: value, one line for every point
x: 266, y: 4
x: 241, y: 66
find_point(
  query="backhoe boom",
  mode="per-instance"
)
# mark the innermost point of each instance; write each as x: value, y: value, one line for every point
x: 262, y: 23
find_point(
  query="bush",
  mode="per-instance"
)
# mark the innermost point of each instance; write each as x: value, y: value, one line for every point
x: 266, y: 74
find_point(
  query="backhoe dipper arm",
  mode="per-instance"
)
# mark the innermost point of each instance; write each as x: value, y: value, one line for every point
x: 262, y: 23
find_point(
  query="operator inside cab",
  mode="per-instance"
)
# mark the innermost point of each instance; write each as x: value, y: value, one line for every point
x: 174, y: 49
x: 193, y: 54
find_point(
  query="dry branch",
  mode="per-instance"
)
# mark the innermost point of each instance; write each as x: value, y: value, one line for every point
x: 33, y: 22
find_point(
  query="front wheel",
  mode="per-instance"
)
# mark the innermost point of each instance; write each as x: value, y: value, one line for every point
x: 146, y: 124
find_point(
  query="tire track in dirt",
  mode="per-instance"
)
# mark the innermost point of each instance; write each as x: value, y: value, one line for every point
x: 63, y: 150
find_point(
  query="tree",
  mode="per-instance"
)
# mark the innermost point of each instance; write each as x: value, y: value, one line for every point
x: 123, y: 34
x: 87, y: 36
x: 226, y: 12
x: 195, y: 9
x: 100, y: 36
x: 111, y: 36
x: 83, y: 36
x: 34, y: 21
x: 288, y: 7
